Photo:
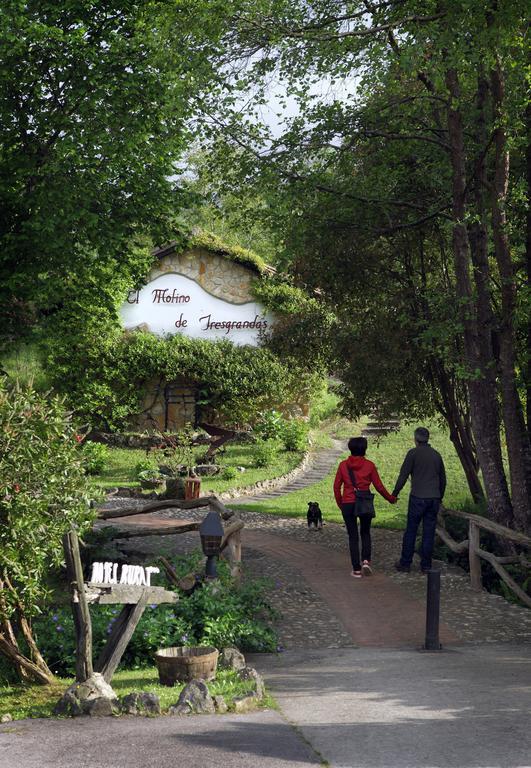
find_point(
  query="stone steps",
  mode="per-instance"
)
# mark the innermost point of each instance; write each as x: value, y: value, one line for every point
x: 319, y: 468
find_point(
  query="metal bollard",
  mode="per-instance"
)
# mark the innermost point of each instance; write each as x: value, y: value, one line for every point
x: 433, y: 599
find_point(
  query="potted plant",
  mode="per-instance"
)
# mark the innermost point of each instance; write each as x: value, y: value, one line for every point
x: 176, y: 462
x: 150, y: 479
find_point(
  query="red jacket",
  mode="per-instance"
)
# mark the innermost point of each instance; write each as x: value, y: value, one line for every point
x: 365, y: 473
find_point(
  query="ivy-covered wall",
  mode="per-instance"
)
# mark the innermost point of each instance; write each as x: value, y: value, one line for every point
x: 110, y: 376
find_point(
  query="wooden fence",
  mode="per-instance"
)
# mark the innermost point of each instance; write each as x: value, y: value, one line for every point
x: 231, y: 549
x: 476, y: 524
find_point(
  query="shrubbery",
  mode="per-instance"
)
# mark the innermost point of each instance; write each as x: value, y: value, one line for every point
x: 104, y: 375
x: 44, y: 492
x: 218, y: 613
x: 290, y: 432
x: 95, y: 457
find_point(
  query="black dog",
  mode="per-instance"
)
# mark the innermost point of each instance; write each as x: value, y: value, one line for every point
x: 314, y: 516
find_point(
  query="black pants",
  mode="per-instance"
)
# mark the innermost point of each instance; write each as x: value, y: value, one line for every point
x: 351, y: 521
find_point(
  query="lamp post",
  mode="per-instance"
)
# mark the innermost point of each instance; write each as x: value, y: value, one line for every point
x: 211, y: 534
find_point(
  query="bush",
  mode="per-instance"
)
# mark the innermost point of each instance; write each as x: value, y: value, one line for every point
x: 270, y: 426
x: 145, y: 465
x: 95, y: 457
x: 292, y: 433
x: 43, y: 494
x: 44, y: 491
x: 229, y: 473
x: 295, y: 436
x: 264, y: 452
x: 218, y: 613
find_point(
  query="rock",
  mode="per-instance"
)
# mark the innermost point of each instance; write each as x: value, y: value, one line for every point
x: 68, y: 705
x: 204, y: 470
x: 246, y: 703
x: 250, y: 673
x: 220, y: 704
x: 81, y: 698
x: 194, y: 698
x: 7, y: 718
x: 100, y: 707
x: 231, y: 658
x: 140, y: 704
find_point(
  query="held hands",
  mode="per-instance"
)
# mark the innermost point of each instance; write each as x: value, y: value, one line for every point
x: 393, y: 499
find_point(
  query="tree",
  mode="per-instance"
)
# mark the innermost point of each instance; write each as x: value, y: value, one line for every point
x: 95, y: 101
x: 439, y: 77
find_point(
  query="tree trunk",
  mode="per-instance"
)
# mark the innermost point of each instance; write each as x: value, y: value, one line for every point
x: 527, y: 366
x: 518, y: 447
x: 30, y: 669
x: 483, y: 396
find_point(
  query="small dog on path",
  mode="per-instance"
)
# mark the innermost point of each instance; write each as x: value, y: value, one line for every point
x: 314, y: 515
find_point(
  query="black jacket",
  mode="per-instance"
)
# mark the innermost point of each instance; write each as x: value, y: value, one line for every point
x: 426, y: 467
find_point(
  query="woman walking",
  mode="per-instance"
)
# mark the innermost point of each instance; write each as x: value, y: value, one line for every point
x: 351, y: 489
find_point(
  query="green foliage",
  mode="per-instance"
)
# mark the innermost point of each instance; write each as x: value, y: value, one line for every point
x: 43, y: 492
x: 95, y: 457
x: 291, y: 432
x: 214, y: 243
x: 218, y: 613
x: 229, y: 473
x: 146, y: 466
x: 264, y: 452
x: 104, y: 375
x: 75, y: 187
x: 295, y: 437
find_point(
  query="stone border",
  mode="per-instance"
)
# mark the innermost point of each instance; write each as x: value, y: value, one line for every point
x: 269, y: 485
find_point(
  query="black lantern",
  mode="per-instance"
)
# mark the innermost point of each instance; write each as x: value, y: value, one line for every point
x: 211, y: 533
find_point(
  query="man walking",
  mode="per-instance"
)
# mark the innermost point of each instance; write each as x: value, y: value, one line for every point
x: 428, y: 483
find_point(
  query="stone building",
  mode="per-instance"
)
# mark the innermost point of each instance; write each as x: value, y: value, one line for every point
x: 203, y: 291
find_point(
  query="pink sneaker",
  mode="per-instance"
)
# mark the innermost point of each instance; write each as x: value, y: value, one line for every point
x: 366, y: 568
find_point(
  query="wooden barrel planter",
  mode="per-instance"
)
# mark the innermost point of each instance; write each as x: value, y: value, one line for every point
x: 186, y: 663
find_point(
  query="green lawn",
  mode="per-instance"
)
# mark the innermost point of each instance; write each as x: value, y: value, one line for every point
x: 22, y: 701
x: 120, y: 469
x: 387, y: 453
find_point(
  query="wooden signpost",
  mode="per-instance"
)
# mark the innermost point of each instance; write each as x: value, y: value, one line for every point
x: 133, y: 597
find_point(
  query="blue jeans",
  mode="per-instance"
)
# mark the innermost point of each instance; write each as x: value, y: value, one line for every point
x: 424, y: 510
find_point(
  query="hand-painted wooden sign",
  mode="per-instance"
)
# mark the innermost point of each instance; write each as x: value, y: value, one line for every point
x: 112, y: 573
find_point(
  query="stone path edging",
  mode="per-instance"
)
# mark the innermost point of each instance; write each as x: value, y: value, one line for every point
x: 309, y: 472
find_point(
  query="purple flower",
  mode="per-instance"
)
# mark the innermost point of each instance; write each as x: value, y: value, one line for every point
x: 153, y: 606
x: 55, y: 617
x: 59, y: 628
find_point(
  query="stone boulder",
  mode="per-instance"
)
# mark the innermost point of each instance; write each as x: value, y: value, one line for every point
x: 195, y: 698
x: 206, y: 470
x: 246, y: 703
x: 231, y: 658
x: 140, y: 704
x: 92, y: 697
x: 220, y: 704
x: 250, y: 673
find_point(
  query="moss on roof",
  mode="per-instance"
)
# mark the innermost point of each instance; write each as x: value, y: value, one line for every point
x: 211, y: 242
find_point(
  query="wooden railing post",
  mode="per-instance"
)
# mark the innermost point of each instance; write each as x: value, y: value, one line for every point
x: 80, y: 609
x: 473, y: 556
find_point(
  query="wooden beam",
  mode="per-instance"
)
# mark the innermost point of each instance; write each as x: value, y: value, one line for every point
x: 473, y: 558
x: 204, y: 501
x: 80, y: 609
x: 492, y: 559
x: 489, y: 525
x: 167, y: 530
x: 111, y: 594
x: 121, y: 633
x: 457, y: 547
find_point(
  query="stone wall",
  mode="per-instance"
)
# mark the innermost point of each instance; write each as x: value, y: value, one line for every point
x: 220, y: 276
x: 167, y: 407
